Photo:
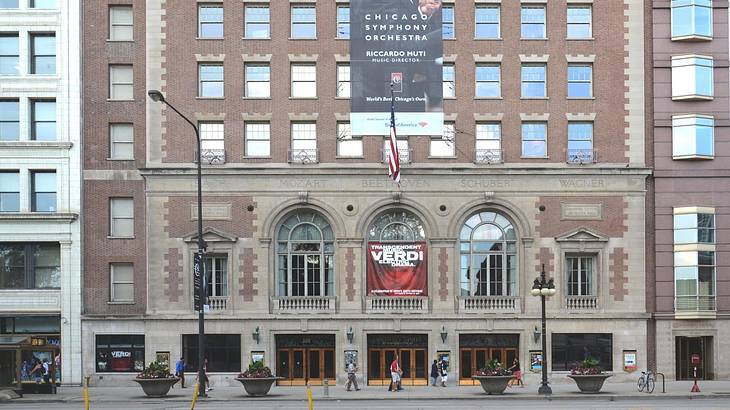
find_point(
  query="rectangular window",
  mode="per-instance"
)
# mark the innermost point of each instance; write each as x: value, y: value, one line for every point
x: 9, y: 191
x: 444, y: 145
x: 486, y: 25
x: 580, y: 81
x: 30, y: 265
x: 534, y: 81
x: 488, y: 78
x: 692, y: 78
x: 43, y: 54
x: 449, y: 80
x: 693, y: 136
x: 210, y: 20
x: 43, y: 4
x: 9, y: 120
x: 488, y: 143
x: 43, y: 191
x: 571, y: 348
x: 343, y: 21
x: 8, y: 4
x: 533, y: 22
x: 212, y: 142
x: 691, y: 19
x: 121, y: 82
x: 343, y: 81
x: 404, y: 151
x: 121, y: 138
x: 258, y: 81
x: 534, y: 140
x: 347, y: 146
x: 579, y: 22
x: 43, y: 120
x: 303, y: 22
x: 694, y: 276
x: 694, y: 228
x: 210, y: 77
x: 258, y: 138
x: 9, y: 54
x: 304, y: 142
x: 303, y: 80
x: 121, y: 23
x: 216, y: 275
x: 122, y: 282
x: 258, y: 20
x: 580, y: 143
x: 223, y: 352
x: 122, y: 217
x: 120, y: 353
x: 447, y: 23
x: 579, y: 272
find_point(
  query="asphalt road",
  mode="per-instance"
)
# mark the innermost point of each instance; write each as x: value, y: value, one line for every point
x: 714, y: 403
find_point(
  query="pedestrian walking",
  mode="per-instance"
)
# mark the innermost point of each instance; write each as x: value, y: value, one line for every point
x: 180, y: 371
x: 205, y: 381
x: 352, y: 376
x: 444, y: 372
x: 516, y: 373
x: 394, y: 375
x: 434, y: 372
x: 46, y: 371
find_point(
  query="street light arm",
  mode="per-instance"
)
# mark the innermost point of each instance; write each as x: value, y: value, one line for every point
x: 192, y: 124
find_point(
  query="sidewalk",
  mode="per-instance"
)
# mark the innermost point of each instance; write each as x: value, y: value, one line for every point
x: 561, y: 391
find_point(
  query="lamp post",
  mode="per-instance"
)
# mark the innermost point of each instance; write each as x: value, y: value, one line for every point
x: 543, y: 288
x: 199, y: 265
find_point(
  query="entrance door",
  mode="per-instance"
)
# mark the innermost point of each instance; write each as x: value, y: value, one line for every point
x: 686, y: 347
x: 7, y: 368
x: 299, y: 366
x: 412, y: 362
x: 473, y: 359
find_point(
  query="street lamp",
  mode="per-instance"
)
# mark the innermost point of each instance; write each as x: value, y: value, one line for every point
x: 199, y: 266
x: 543, y: 288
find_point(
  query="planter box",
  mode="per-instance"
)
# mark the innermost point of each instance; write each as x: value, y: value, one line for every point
x: 589, y: 383
x: 257, y: 386
x: 156, y: 387
x: 493, y: 384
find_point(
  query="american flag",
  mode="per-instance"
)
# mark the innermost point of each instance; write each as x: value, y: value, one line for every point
x: 393, y: 160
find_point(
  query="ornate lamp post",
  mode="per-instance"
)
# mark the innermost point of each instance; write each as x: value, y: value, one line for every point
x: 198, y: 268
x: 543, y: 288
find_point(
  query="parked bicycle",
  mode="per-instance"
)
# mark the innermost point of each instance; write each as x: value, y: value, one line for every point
x: 647, y: 380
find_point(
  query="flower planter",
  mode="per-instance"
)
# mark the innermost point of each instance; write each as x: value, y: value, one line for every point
x: 589, y: 383
x: 257, y: 386
x: 156, y: 387
x: 493, y: 384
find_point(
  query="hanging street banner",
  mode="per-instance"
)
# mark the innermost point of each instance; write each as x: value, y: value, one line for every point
x: 397, y: 269
x: 396, y: 42
x: 197, y: 281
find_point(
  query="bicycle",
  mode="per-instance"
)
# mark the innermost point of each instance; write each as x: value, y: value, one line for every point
x: 647, y: 381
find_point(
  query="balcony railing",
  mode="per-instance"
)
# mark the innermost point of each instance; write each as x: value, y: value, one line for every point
x: 581, y: 302
x: 581, y: 156
x: 303, y: 156
x: 489, y: 156
x: 481, y: 304
x: 217, y: 303
x: 404, y: 155
x: 396, y: 304
x: 694, y: 304
x: 304, y: 304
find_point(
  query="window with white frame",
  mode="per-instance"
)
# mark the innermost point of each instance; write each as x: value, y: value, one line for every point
x: 121, y: 23
x: 404, y: 150
x: 347, y: 145
x: 580, y: 81
x: 122, y: 282
x: 43, y: 191
x: 303, y: 80
x: 9, y: 191
x: 694, y: 259
x: 691, y: 19
x: 121, y: 138
x: 692, y: 227
x: 258, y: 21
x: 210, y: 20
x: 43, y: 53
x: 448, y: 72
x: 486, y: 25
x: 212, y: 138
x: 693, y: 136
x: 447, y: 24
x: 9, y: 54
x: 216, y: 275
x: 533, y: 22
x: 9, y: 120
x: 488, y: 81
x: 579, y: 22
x: 210, y: 80
x: 258, y: 80
x: 534, y: 139
x: 258, y: 139
x: 304, y: 139
x: 121, y: 82
x: 488, y: 142
x: 580, y: 142
x: 343, y: 80
x: 43, y: 120
x: 303, y: 21
x: 692, y: 78
x: 534, y: 83
x: 122, y: 217
x: 343, y: 21
x: 579, y: 270
x: 444, y: 145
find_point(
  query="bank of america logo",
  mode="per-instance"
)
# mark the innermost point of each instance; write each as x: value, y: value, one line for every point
x: 397, y: 80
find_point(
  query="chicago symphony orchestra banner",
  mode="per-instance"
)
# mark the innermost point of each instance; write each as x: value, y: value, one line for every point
x: 397, y: 269
x: 396, y: 42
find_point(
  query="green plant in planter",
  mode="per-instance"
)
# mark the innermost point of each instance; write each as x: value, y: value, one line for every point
x: 156, y: 370
x: 256, y: 370
x: 587, y: 366
x: 493, y: 368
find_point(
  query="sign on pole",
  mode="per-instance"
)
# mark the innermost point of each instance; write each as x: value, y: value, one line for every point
x: 197, y: 281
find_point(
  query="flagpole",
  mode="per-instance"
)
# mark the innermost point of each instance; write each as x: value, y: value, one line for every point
x: 394, y: 153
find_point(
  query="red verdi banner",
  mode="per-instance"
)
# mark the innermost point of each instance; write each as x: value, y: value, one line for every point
x: 397, y: 269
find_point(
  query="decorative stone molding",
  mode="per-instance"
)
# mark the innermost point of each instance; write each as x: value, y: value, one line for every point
x: 534, y: 58
x: 450, y: 117
x: 450, y: 58
x: 342, y: 58
x: 256, y: 116
x: 488, y: 58
x: 488, y: 116
x: 200, y: 116
x: 342, y: 117
x: 581, y: 116
x: 303, y: 58
x: 263, y: 58
x: 535, y: 117
x: 580, y: 58
x: 214, y: 58
x: 303, y: 116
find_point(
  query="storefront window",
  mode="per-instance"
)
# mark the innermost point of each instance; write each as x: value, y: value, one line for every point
x: 571, y: 348
x: 119, y: 353
x: 222, y: 351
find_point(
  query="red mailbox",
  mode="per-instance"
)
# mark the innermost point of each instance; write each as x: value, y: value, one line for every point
x: 695, y: 359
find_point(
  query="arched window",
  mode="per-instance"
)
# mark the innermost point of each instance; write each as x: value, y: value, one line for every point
x: 488, y: 243
x: 305, y: 250
x: 396, y: 226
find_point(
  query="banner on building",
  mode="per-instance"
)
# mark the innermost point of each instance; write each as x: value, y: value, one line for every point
x: 397, y: 269
x: 398, y: 43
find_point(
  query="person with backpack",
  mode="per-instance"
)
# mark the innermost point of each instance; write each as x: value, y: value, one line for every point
x: 434, y: 372
x: 444, y: 371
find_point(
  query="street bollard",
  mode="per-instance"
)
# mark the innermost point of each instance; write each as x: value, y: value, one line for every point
x: 309, y: 396
x: 326, y: 387
x: 195, y: 396
x: 86, y: 392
